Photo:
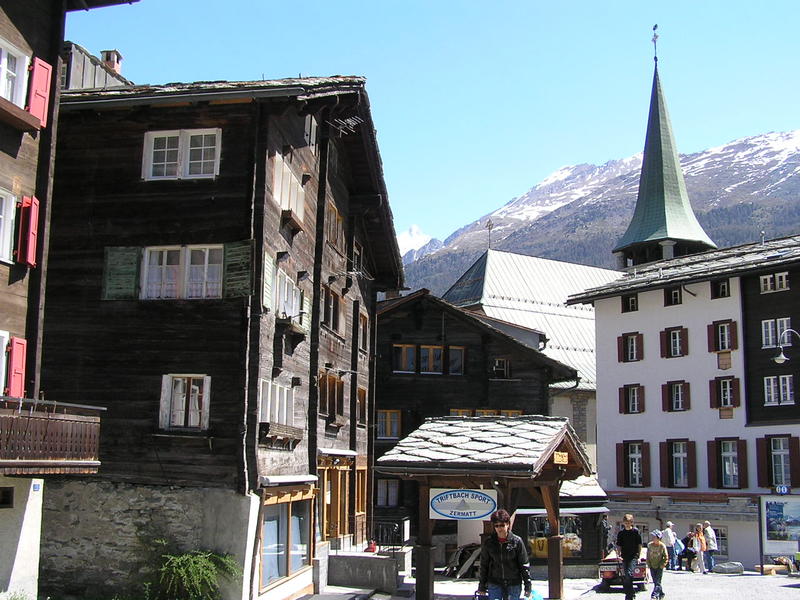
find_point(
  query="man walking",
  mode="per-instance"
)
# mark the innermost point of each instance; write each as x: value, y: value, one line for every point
x: 668, y: 536
x: 629, y: 548
x: 711, y: 545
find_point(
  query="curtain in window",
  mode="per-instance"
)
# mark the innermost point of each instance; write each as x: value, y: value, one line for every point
x: 273, y: 543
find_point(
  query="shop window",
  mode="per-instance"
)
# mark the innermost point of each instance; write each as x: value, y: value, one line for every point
x: 571, y: 528
x: 285, y: 540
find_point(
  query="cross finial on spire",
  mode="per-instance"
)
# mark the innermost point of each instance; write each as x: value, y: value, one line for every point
x: 489, y: 226
x: 655, y: 42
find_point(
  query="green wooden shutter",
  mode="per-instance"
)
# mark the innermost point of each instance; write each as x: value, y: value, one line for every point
x: 269, y: 279
x: 121, y: 273
x: 237, y: 278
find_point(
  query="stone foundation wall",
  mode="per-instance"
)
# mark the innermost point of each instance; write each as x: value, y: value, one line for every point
x: 98, y: 537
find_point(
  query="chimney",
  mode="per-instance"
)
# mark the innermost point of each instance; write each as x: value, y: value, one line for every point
x: 112, y: 59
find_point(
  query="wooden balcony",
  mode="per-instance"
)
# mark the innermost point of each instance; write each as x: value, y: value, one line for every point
x: 41, y: 437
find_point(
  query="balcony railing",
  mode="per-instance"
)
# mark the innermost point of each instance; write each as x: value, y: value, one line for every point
x: 39, y: 437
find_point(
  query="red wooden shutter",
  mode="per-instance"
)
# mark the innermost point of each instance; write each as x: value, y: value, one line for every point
x: 713, y: 399
x: 687, y: 396
x: 684, y: 341
x: 646, y: 464
x: 663, y: 463
x: 662, y: 336
x: 734, y: 336
x: 712, y: 338
x: 691, y: 459
x: 641, y: 398
x: 665, y: 397
x: 39, y: 89
x: 621, y: 465
x: 28, y: 237
x: 762, y: 463
x: 741, y: 458
x: 623, y: 404
x: 736, y: 399
x: 713, y: 475
x: 17, y: 352
x: 639, y: 346
x: 794, y: 460
x: 621, y: 349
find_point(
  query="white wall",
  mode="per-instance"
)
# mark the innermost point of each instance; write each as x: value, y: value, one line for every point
x: 20, y: 531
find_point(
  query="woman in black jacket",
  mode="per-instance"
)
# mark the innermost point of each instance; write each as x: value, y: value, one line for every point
x: 504, y: 562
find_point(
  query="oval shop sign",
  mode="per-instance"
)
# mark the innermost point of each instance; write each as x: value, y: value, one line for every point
x: 462, y: 504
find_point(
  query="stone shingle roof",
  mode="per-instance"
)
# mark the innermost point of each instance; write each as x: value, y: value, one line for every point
x: 728, y: 262
x: 525, y: 443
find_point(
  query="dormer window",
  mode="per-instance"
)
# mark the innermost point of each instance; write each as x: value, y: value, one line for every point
x: 630, y: 303
x: 672, y: 296
x: 720, y: 289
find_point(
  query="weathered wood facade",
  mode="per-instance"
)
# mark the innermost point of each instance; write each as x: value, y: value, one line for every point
x: 216, y: 253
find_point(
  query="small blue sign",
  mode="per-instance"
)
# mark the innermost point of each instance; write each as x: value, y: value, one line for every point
x: 37, y: 487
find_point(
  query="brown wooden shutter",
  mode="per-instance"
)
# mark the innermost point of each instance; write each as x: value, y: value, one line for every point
x: 665, y: 397
x: 734, y: 336
x: 736, y: 399
x: 687, y: 395
x: 713, y: 398
x: 684, y: 341
x: 646, y: 464
x: 691, y: 459
x: 621, y: 478
x: 623, y: 404
x: 741, y: 459
x: 662, y: 335
x: 641, y: 398
x: 663, y: 463
x: 639, y: 346
x: 712, y: 339
x: 713, y: 475
x: 762, y: 463
x: 621, y: 349
x: 794, y: 460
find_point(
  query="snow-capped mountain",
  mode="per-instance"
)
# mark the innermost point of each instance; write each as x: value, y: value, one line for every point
x: 578, y: 212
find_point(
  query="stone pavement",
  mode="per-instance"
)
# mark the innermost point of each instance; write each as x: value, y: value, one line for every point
x: 677, y: 584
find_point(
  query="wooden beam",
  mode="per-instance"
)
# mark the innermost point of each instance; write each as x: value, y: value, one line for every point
x: 555, y: 561
x: 424, y: 547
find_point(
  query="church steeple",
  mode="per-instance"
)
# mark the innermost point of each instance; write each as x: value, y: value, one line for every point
x: 663, y: 224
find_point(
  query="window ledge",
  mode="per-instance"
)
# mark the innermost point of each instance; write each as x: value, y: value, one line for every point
x: 290, y: 325
x: 336, y: 421
x: 291, y: 219
x: 194, y: 435
x: 332, y: 332
x: 278, y: 435
x: 19, y: 119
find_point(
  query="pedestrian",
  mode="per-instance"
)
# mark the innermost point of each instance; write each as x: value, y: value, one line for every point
x: 669, y: 537
x: 629, y: 549
x: 504, y: 561
x: 698, y: 544
x: 657, y: 560
x: 688, y: 552
x: 604, y: 529
x: 711, y: 545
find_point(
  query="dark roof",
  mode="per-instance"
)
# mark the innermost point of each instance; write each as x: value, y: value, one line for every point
x: 89, y: 4
x: 559, y: 371
x: 517, y: 444
x: 662, y: 209
x: 346, y: 95
x: 713, y: 264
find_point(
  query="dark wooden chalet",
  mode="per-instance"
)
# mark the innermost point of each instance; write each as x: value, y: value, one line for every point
x: 436, y: 360
x: 216, y: 253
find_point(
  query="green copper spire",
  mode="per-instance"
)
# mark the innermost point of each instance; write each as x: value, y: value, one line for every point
x: 664, y: 224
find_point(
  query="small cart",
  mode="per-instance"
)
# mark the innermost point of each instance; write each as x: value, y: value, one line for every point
x: 610, y: 572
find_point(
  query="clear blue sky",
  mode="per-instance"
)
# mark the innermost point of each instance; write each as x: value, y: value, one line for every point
x: 476, y: 102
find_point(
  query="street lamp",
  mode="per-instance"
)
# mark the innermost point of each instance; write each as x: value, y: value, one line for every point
x: 782, y: 358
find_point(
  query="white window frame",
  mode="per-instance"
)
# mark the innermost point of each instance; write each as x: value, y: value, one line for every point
x: 680, y: 464
x: 19, y: 89
x: 771, y: 392
x: 183, y: 159
x: 781, y: 281
x: 786, y: 387
x: 8, y: 215
x: 631, y: 348
x: 276, y: 403
x: 676, y: 396
x: 774, y: 282
x: 634, y: 464
x: 387, y: 493
x: 675, y: 342
x: 288, y: 298
x: 781, y: 325
x: 5, y: 337
x: 287, y: 189
x: 166, y: 412
x: 729, y: 460
x: 725, y: 392
x: 768, y: 337
x: 722, y: 540
x: 723, y: 336
x: 779, y: 460
x: 183, y: 272
x: 632, y: 399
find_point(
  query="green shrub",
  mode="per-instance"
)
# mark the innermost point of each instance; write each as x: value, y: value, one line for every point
x: 195, y: 575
